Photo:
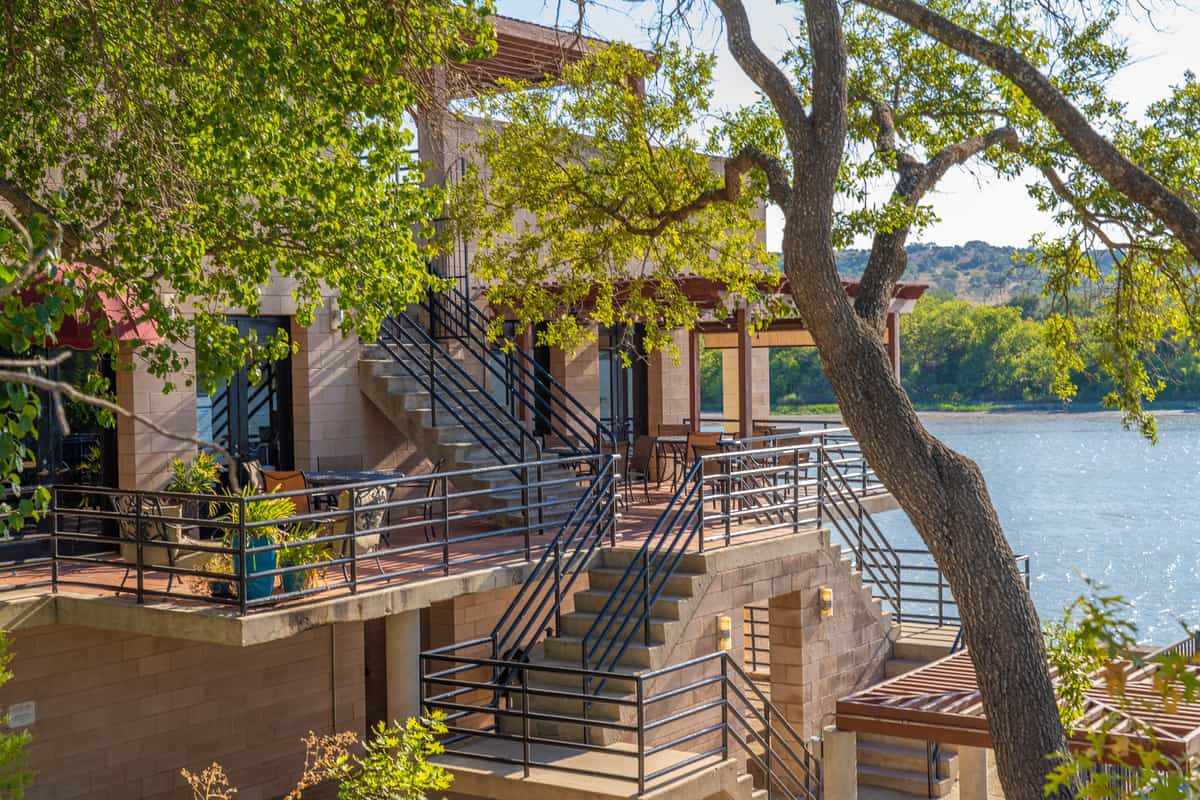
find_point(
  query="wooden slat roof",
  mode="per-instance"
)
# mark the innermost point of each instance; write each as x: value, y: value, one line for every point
x: 940, y: 702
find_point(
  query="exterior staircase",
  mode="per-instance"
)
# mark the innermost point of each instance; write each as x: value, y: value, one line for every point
x: 903, y: 765
x: 446, y: 433
x: 670, y: 615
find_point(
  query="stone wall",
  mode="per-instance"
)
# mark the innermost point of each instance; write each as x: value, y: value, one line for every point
x: 118, y: 715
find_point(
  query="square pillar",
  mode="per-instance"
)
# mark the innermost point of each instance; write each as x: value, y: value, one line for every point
x: 839, y: 764
x: 694, y: 378
x: 403, y: 648
x: 893, y: 342
x: 745, y: 360
x: 973, y: 773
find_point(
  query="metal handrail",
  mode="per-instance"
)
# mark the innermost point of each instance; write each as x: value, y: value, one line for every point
x: 564, y: 560
x: 578, y: 427
x: 455, y: 382
x: 428, y: 530
x: 714, y: 702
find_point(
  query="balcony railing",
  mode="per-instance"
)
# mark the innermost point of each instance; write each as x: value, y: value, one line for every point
x: 241, y: 552
x: 650, y: 729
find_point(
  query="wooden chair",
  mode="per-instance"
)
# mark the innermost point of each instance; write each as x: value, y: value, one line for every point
x: 288, y: 481
x: 671, y: 429
x: 641, y: 461
x: 710, y: 440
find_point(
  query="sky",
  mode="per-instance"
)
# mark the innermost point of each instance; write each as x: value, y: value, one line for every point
x: 1161, y: 49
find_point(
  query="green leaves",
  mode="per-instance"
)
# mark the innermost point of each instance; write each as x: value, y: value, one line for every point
x: 577, y: 202
x: 395, y: 763
x: 194, y: 158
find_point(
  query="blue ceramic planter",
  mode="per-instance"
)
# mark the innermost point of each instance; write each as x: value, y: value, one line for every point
x: 256, y: 588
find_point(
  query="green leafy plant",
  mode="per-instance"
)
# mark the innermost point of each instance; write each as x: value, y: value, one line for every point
x: 302, y: 551
x: 1096, y: 645
x: 265, y: 509
x: 197, y: 476
x: 395, y: 763
x: 15, y: 774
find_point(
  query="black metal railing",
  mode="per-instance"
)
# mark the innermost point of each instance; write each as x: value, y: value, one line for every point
x: 238, y: 551
x: 530, y: 392
x: 454, y: 392
x: 670, y: 723
x: 756, y: 638
x: 536, y: 610
x: 757, y: 488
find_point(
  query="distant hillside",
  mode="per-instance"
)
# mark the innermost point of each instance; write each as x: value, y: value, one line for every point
x: 975, y: 271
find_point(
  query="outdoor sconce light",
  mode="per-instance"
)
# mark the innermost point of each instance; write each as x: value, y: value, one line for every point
x: 724, y: 633
x: 826, y: 602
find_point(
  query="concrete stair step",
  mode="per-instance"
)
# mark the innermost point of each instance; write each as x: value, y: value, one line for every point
x: 899, y: 666
x: 667, y: 606
x: 578, y: 623
x: 620, y: 558
x: 678, y: 583
x: 911, y: 757
x: 924, y: 652
x: 906, y: 782
x: 635, y: 654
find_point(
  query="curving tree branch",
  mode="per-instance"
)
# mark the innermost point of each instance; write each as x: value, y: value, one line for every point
x: 1091, y: 147
x: 765, y: 73
x: 888, y: 259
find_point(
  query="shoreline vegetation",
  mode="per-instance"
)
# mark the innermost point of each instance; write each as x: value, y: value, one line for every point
x: 961, y: 356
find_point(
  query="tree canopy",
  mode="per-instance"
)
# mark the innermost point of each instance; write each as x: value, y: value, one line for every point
x: 178, y: 157
x: 893, y: 93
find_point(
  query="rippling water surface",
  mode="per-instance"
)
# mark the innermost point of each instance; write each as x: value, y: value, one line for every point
x: 1080, y: 494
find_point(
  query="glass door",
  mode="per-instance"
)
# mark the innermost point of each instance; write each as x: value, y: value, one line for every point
x: 623, y: 398
x: 253, y: 419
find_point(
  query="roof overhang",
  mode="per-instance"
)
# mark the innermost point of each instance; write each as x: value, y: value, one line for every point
x: 940, y: 702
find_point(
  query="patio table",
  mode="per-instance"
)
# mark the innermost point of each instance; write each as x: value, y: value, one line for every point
x: 676, y: 447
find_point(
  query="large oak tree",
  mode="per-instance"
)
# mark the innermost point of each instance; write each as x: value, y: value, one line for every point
x: 875, y: 91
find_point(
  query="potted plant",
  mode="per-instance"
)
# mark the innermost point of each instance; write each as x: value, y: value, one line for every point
x: 221, y: 563
x: 266, y: 509
x: 301, y: 551
x: 197, y: 476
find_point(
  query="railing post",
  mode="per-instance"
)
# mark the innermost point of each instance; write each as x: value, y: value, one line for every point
x: 941, y: 599
x: 700, y: 478
x: 445, y: 525
x: 353, y: 529
x: 726, y: 505
x: 524, y: 720
x: 541, y: 495
x: 432, y: 367
x: 767, y: 754
x: 645, y: 600
x: 54, y: 523
x: 557, y: 586
x: 820, y: 486
x: 242, y: 581
x: 525, y: 504
x: 140, y: 537
x: 795, y: 489
x: 725, y: 706
x: 641, y: 734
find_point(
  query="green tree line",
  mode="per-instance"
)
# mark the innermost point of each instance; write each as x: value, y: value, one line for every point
x: 956, y: 352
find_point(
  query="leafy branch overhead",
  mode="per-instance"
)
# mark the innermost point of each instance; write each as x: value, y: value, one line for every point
x: 593, y: 196
x: 163, y: 166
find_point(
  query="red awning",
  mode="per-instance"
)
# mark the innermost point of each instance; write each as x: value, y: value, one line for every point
x: 125, y: 318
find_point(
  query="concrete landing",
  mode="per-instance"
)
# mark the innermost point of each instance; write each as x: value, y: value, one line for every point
x: 560, y: 779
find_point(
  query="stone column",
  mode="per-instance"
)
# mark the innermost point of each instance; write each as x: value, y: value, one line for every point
x: 972, y: 773
x: 402, y: 638
x: 839, y: 764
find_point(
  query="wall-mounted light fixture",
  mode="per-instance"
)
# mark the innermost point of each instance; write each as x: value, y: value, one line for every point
x: 336, y: 315
x: 826, y: 602
x: 724, y: 633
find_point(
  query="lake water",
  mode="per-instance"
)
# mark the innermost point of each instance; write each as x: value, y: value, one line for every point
x: 1079, y: 494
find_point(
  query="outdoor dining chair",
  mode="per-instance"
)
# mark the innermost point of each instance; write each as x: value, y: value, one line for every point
x: 155, y: 534
x: 641, y: 462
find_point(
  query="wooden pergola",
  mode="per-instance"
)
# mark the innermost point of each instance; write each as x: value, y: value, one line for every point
x: 940, y: 702
x: 735, y: 334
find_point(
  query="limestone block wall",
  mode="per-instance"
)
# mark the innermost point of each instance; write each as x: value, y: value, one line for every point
x: 815, y: 661
x: 118, y: 715
x: 144, y: 456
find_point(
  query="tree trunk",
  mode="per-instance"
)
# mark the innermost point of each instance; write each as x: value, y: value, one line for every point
x: 944, y: 495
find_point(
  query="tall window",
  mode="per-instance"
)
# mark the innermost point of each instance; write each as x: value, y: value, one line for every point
x: 623, y: 398
x: 252, y: 419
